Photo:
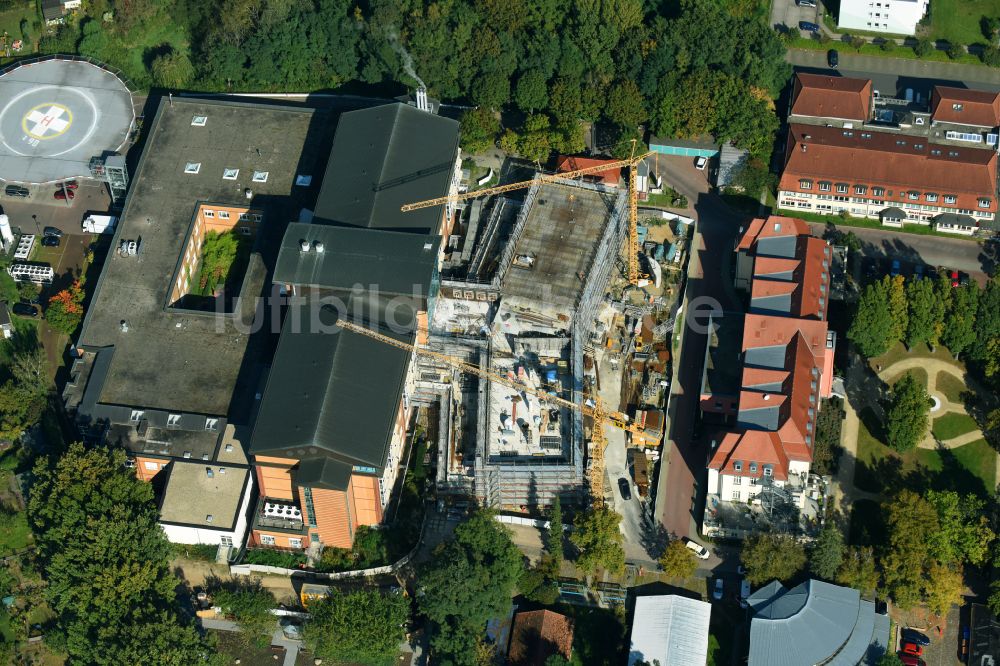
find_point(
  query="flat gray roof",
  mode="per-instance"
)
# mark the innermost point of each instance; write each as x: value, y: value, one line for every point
x: 172, y: 359
x: 57, y: 114
x: 191, y: 495
x: 562, y: 228
x: 670, y: 629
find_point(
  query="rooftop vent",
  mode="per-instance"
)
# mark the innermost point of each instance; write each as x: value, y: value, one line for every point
x: 209, y: 518
x: 803, y: 147
x: 319, y: 246
x: 304, y: 245
x: 209, y: 473
x: 248, y: 193
x: 187, y: 454
x: 428, y: 246
x: 767, y: 397
x: 124, y: 326
x: 303, y: 180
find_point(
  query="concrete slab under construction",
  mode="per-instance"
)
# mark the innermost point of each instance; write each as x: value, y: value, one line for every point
x: 553, y: 256
x: 521, y: 424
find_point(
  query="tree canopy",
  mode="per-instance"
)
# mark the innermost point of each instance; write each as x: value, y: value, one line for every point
x: 827, y: 554
x: 906, y: 419
x: 677, y: 560
x: 599, y: 540
x: 364, y: 626
x: 469, y: 580
x: 873, y: 330
x: 105, y: 560
x: 769, y: 555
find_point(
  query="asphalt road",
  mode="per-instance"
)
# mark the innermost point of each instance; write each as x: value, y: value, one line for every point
x: 892, y: 76
x: 976, y: 259
x: 683, y: 467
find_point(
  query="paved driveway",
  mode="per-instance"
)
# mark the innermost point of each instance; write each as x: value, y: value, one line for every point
x: 787, y: 13
x: 967, y: 256
x: 41, y: 210
x: 854, y: 64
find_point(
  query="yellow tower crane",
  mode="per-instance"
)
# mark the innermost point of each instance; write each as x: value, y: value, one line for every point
x: 600, y: 416
x: 633, y: 199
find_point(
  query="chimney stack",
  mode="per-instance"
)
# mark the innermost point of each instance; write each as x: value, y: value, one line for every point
x: 422, y: 104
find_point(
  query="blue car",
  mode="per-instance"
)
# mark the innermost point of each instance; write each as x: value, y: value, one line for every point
x: 914, y: 636
x: 895, y: 268
x: 808, y: 26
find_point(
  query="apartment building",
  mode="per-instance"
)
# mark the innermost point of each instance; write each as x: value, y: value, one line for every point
x: 784, y: 366
x: 848, y: 150
x: 893, y: 17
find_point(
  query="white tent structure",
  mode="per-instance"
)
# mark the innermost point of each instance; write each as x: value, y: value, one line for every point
x: 670, y: 629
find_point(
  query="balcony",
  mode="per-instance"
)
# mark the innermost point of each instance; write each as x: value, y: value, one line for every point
x: 278, y: 514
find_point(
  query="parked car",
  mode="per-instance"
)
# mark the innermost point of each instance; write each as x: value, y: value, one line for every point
x: 909, y: 647
x: 806, y: 3
x: 24, y: 310
x: 894, y: 271
x: 717, y: 590
x: 16, y: 191
x: 954, y: 278
x: 915, y: 636
x: 698, y: 549
x: 910, y: 660
x: 808, y: 26
x: 963, y: 649
x: 623, y: 487
x: 52, y: 231
x: 700, y: 162
x: 832, y: 58
x: 64, y: 195
x: 51, y: 241
x: 70, y: 185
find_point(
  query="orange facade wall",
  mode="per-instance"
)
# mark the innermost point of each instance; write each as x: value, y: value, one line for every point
x: 281, y: 540
x: 365, y: 504
x: 147, y: 468
x: 275, y: 478
x: 333, y: 519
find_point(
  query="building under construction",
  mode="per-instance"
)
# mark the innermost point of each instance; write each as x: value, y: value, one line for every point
x: 522, y: 301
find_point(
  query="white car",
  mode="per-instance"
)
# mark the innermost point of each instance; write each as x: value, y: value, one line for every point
x: 700, y: 163
x: 717, y: 590
x: 698, y: 549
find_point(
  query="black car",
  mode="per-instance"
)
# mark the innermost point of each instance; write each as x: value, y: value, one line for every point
x: 24, y: 310
x: 914, y: 636
x: 808, y: 26
x: 626, y: 491
x: 52, y: 231
x: 832, y: 58
x: 16, y: 191
x: 51, y: 241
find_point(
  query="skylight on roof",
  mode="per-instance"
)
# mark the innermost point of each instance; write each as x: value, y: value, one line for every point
x: 260, y: 176
x: 199, y: 121
x: 192, y: 167
x: 230, y: 174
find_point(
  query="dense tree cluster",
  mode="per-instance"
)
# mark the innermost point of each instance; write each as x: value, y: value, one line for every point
x: 105, y: 560
x: 770, y: 555
x: 684, y: 67
x: 907, y: 417
x: 361, y: 627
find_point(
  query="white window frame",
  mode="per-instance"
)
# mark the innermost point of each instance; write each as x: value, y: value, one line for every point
x: 260, y: 176
x: 931, y: 197
x: 212, y: 424
x: 199, y: 121
x: 208, y: 212
x: 173, y: 420
x: 293, y: 542
x: 805, y: 184
x: 230, y: 174
x: 984, y: 203
x: 223, y: 214
x: 225, y: 540
x: 736, y: 496
x: 151, y: 466
x: 753, y: 468
x: 860, y: 189
x: 738, y: 467
x: 767, y: 471
x: 257, y: 217
x: 136, y: 415
x: 913, y: 196
x: 244, y: 217
x: 825, y: 187
x: 192, y: 167
x: 841, y: 188
x: 950, y: 198
x: 244, y: 231
x: 267, y: 540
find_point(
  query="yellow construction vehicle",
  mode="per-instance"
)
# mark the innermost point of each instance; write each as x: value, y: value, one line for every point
x: 633, y: 199
x: 600, y: 416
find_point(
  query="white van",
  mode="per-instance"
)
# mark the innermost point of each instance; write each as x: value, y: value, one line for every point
x: 698, y: 549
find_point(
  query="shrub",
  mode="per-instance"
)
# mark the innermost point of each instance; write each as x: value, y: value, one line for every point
x: 991, y: 56
x: 923, y: 47
x: 888, y: 45
x: 274, y: 558
x: 956, y: 51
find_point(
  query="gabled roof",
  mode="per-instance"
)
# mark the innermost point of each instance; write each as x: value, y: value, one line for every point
x: 382, y: 158
x: 823, y: 96
x: 670, y: 630
x: 330, y: 392
x: 896, y: 162
x: 966, y: 107
x: 570, y: 163
x: 396, y: 263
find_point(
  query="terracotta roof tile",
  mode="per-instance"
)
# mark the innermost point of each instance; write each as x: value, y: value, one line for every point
x: 870, y: 158
x: 570, y: 163
x: 823, y: 96
x: 967, y: 107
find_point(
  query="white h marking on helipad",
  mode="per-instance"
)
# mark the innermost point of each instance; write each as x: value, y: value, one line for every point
x: 50, y: 120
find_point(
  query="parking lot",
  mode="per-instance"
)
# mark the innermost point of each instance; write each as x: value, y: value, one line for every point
x: 788, y: 13
x: 41, y: 209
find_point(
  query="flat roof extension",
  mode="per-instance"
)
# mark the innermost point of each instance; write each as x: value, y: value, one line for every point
x: 191, y: 495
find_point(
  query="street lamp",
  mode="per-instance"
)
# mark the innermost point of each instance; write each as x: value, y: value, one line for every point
x: 38, y: 229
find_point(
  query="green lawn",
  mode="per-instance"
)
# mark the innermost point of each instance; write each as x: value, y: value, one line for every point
x: 899, y: 352
x: 903, y: 52
x: 952, y: 425
x: 865, y: 223
x: 919, y: 373
x: 14, y: 532
x: 951, y: 387
x: 958, y: 20
x: 10, y: 22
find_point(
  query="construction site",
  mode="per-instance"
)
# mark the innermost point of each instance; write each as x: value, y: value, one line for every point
x: 536, y: 292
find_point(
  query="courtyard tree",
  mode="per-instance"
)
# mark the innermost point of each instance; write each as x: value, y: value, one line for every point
x: 964, y: 534
x: 105, y: 559
x: 924, y: 315
x: 362, y: 627
x: 858, y: 569
x: 910, y: 519
x: 677, y: 560
x: 899, y: 309
x: 480, y: 128
x: 469, y: 580
x: 65, y: 310
x: 986, y: 348
x: 625, y: 106
x: 249, y: 604
x: 872, y: 330
x: 770, y: 555
x: 906, y: 418
x: 958, y: 332
x: 827, y: 555
x: 599, y: 540
x: 944, y: 586
x: 531, y: 92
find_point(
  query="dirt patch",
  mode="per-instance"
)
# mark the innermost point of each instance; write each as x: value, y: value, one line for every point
x: 196, y: 573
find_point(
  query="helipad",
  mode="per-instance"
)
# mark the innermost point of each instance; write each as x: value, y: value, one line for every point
x: 56, y: 115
